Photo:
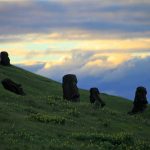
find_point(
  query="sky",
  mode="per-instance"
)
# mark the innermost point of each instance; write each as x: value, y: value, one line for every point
x: 105, y: 43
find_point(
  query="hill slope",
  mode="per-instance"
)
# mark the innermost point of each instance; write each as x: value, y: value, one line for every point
x: 42, y: 120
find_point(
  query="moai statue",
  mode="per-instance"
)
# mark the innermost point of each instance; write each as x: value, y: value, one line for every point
x: 4, y: 59
x: 12, y: 86
x: 140, y: 100
x: 95, y: 97
x: 70, y: 89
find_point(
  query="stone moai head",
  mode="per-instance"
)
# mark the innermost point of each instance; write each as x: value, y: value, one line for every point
x: 70, y: 89
x: 4, y: 59
x: 94, y: 94
x: 140, y: 95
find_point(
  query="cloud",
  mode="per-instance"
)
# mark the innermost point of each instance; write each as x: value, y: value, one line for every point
x: 121, y: 19
x: 129, y: 75
x: 119, y: 78
x: 34, y: 67
x: 80, y: 62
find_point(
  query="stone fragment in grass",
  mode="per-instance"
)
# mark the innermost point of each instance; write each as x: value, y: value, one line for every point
x: 12, y: 86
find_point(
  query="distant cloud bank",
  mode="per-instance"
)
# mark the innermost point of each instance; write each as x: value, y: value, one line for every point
x: 119, y: 80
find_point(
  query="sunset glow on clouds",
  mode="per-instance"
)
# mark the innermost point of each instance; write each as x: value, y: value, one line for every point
x: 90, y: 38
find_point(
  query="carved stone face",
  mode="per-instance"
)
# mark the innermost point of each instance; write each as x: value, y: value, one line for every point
x: 94, y: 91
x: 70, y: 89
x: 4, y: 59
x: 140, y: 95
x: 140, y: 100
x: 94, y: 95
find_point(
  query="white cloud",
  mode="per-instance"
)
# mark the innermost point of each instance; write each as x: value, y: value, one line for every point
x: 122, y: 78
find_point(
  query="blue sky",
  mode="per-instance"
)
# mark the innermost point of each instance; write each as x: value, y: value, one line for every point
x: 105, y: 43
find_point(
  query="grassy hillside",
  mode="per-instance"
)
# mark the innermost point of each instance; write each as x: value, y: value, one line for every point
x: 42, y: 120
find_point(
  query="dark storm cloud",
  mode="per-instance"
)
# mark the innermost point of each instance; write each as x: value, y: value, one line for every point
x: 59, y: 16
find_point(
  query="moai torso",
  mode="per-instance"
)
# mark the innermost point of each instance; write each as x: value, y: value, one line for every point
x: 4, y: 59
x: 95, y: 97
x: 140, y: 96
x: 70, y: 89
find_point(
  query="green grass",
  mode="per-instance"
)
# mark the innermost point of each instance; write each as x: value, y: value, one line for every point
x: 42, y: 120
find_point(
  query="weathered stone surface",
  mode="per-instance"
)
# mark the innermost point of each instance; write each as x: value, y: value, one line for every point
x: 4, y: 59
x: 70, y: 89
x: 95, y: 97
x: 140, y: 100
x: 12, y: 86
